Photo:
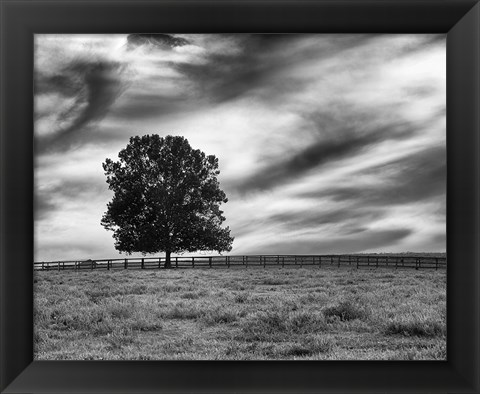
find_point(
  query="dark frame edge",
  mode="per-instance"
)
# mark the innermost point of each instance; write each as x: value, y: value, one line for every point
x: 17, y: 371
x: 16, y: 319
x: 463, y: 206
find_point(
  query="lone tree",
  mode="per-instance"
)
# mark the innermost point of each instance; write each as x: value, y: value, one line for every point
x: 166, y: 198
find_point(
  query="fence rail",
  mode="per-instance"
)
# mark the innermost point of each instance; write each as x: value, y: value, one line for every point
x: 357, y: 261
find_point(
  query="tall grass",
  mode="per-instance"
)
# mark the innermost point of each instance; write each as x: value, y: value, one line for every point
x: 346, y: 310
x: 241, y: 314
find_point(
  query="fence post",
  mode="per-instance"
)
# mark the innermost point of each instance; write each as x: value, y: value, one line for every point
x: 387, y: 261
x: 301, y: 261
x: 58, y: 266
x: 246, y: 261
x: 210, y: 262
x: 176, y: 262
x: 108, y: 265
x: 264, y: 260
x: 368, y: 261
x: 278, y: 259
x: 193, y: 262
x: 228, y: 261
x: 283, y: 261
x: 126, y: 264
x: 377, y: 262
x: 396, y: 263
x: 331, y: 260
x: 319, y: 261
x: 417, y: 264
x: 338, y: 261
x: 295, y: 259
x: 159, y: 262
x: 436, y: 263
x: 143, y: 264
x: 357, y: 261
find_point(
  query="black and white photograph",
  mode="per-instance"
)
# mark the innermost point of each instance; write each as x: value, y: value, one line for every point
x: 240, y: 197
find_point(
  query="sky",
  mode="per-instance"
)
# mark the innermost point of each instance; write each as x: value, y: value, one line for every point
x: 326, y: 143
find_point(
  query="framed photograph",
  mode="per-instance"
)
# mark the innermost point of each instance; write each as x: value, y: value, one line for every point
x: 306, y: 172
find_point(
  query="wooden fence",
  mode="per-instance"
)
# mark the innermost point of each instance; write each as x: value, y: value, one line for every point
x: 357, y: 261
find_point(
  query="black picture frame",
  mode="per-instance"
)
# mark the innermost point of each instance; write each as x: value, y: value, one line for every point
x: 459, y: 19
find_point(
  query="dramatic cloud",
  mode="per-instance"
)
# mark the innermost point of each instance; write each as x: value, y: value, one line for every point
x: 371, y: 240
x: 326, y: 143
x: 317, y: 154
x: 401, y: 181
x: 43, y: 205
x: 94, y: 86
x: 74, y: 88
x: 160, y: 40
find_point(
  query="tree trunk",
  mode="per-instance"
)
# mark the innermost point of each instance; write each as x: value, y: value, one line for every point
x: 168, y: 262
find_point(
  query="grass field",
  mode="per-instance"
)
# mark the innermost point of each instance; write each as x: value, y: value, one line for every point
x: 241, y: 314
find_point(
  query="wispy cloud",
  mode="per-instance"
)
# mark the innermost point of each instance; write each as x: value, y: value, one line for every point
x: 155, y: 40
x: 316, y: 154
x: 95, y: 86
x: 347, y: 243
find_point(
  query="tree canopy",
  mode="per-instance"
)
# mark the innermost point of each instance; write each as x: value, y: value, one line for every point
x: 166, y: 198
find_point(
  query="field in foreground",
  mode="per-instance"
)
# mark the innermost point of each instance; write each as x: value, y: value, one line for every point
x: 241, y: 314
